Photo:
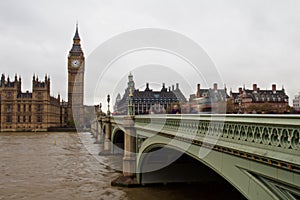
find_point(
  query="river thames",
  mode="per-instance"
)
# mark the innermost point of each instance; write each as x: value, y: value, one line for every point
x: 59, y: 165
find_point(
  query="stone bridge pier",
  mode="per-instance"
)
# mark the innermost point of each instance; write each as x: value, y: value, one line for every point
x: 129, y: 159
x: 104, y: 135
x: 107, y: 140
x: 99, y: 133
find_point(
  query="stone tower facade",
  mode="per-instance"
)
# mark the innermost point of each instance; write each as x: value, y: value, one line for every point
x: 76, y: 81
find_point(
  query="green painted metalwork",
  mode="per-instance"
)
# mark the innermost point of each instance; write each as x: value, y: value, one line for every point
x: 258, y: 154
x: 277, y: 133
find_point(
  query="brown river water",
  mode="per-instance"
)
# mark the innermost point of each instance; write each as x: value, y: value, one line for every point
x: 58, y: 165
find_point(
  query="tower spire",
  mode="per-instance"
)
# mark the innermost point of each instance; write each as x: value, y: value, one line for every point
x: 76, y: 36
x: 76, y: 48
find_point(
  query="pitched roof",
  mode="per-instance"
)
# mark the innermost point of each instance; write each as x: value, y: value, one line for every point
x: 263, y: 95
x: 76, y: 36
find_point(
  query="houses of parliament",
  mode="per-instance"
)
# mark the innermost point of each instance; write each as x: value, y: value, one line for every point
x: 38, y: 110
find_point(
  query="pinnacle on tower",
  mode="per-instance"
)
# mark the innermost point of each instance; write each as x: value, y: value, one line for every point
x: 76, y: 36
x: 76, y: 48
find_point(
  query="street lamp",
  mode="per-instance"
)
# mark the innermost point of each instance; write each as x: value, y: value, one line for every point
x: 130, y: 105
x: 108, y: 100
x: 100, y: 109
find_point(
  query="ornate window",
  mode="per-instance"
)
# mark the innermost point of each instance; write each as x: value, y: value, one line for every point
x: 8, y: 119
x: 39, y: 118
x: 8, y: 108
x: 9, y: 95
x: 39, y: 108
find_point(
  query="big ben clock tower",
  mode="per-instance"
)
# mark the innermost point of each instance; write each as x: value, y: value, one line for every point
x: 76, y: 81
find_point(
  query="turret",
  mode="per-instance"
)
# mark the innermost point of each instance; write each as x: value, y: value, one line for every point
x: 19, y: 84
x: 131, y: 82
x: 2, y: 80
x: 41, y: 85
x: 76, y: 48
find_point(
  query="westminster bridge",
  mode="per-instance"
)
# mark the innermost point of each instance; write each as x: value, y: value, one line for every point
x: 259, y: 155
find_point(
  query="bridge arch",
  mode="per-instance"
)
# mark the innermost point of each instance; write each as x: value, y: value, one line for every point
x: 118, y: 140
x: 237, y: 172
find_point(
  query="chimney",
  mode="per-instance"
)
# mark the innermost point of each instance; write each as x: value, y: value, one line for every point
x: 163, y: 86
x: 215, y: 86
x: 172, y: 87
x: 254, y: 87
x: 274, y: 87
x: 169, y: 89
x: 241, y: 90
x: 147, y: 86
x: 177, y: 86
x: 198, y: 91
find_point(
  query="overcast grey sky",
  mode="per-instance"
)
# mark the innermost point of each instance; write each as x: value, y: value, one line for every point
x: 255, y: 41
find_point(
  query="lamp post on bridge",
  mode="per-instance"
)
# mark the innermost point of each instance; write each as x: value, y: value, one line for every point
x: 107, y: 140
x: 100, y: 109
x: 108, y: 100
x: 130, y: 105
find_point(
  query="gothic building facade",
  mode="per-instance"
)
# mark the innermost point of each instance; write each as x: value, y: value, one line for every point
x: 149, y: 101
x: 28, y: 111
x: 38, y: 110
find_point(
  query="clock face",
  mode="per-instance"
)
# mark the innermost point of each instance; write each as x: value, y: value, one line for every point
x: 75, y: 63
